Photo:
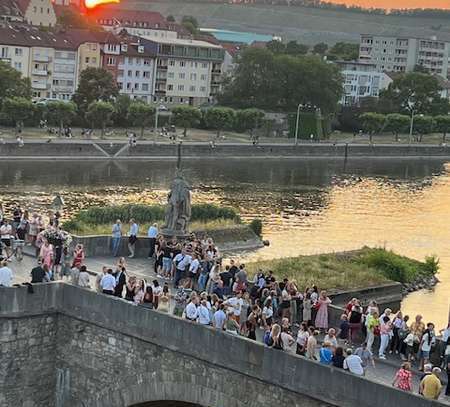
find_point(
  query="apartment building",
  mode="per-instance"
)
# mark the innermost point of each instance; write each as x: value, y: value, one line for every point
x: 142, y: 23
x: 187, y: 71
x: 361, y: 80
x: 402, y: 54
x: 34, y: 12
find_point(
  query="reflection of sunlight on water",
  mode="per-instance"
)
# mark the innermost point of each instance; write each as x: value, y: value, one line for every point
x: 411, y: 217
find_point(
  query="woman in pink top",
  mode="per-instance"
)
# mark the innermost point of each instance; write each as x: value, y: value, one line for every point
x: 46, y: 254
x: 402, y: 379
x: 385, y: 336
x: 322, y: 311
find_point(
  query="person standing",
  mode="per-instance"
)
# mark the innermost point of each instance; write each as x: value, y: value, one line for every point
x: 322, y: 311
x: 431, y: 386
x: 116, y: 237
x: 402, y: 379
x: 121, y: 280
x: 152, y: 233
x: 38, y: 273
x: 46, y: 254
x: 108, y: 283
x: 6, y: 274
x: 83, y: 278
x: 132, y: 237
x: 78, y: 256
x: 427, y: 342
x: 6, y: 234
x: 385, y: 336
x: 98, y: 279
x: 219, y: 318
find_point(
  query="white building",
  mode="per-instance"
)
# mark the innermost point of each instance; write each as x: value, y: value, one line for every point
x: 361, y: 80
x: 64, y: 74
x: 402, y: 54
x: 34, y: 12
x: 187, y: 71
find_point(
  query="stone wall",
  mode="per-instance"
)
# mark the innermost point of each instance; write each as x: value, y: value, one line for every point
x: 103, y: 149
x: 235, y: 238
x: 109, y: 353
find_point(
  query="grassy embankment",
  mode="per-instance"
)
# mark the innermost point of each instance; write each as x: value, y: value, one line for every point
x: 99, y: 220
x: 360, y: 268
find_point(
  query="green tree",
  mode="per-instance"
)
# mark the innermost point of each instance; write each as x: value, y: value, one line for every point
x: 18, y: 110
x: 415, y: 90
x: 219, y: 118
x: 248, y: 119
x: 344, y: 51
x: 275, y: 46
x: 190, y: 23
x: 121, y: 106
x: 96, y: 84
x: 60, y: 113
x: 12, y: 84
x: 320, y: 49
x: 170, y: 18
x: 423, y: 125
x: 281, y: 82
x: 397, y: 123
x: 186, y: 117
x: 69, y: 18
x: 294, y: 48
x: 442, y: 124
x: 372, y: 123
x: 100, y: 113
x: 141, y: 114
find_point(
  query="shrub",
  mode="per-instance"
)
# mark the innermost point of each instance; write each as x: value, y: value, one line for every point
x: 145, y: 214
x: 256, y: 226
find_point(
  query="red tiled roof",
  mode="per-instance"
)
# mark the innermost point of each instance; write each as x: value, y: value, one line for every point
x: 128, y: 17
x: 23, y: 5
x: 258, y: 44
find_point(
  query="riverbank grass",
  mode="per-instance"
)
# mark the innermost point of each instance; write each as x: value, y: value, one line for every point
x: 360, y: 268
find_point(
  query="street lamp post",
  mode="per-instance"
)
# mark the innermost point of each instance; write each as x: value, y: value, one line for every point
x: 297, y: 123
x: 411, y: 124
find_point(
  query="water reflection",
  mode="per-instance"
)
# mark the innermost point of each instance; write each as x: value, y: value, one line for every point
x: 308, y: 206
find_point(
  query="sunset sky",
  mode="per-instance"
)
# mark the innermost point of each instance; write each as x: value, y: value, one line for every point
x: 397, y: 3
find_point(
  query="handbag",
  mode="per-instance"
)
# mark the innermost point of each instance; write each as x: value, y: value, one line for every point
x: 376, y: 330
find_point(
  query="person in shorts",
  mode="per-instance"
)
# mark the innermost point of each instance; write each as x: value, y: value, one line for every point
x: 6, y: 234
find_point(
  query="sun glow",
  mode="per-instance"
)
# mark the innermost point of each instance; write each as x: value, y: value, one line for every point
x: 90, y: 4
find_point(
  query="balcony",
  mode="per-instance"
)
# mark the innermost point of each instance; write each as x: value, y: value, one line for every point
x: 162, y: 67
x: 39, y: 72
x: 41, y: 58
x: 40, y: 85
x: 217, y: 71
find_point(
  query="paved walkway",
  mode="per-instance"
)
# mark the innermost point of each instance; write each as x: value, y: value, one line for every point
x: 383, y: 372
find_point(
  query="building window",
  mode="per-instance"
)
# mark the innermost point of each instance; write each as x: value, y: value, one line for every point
x: 169, y: 87
x: 137, y: 74
x: 146, y: 62
x: 193, y: 76
x: 180, y: 87
x: 202, y: 88
x: 94, y: 60
x: 130, y: 73
x: 170, y: 75
x: 120, y: 73
x: 136, y: 86
x: 172, y: 62
x: 18, y: 52
x: 181, y: 75
x: 182, y: 63
x: 205, y: 65
x: 86, y: 60
x: 120, y: 85
x: 192, y: 88
x: 203, y: 77
x: 128, y: 86
x: 110, y: 61
x: 146, y: 74
x: 145, y: 87
x: 4, y: 52
x: 18, y: 65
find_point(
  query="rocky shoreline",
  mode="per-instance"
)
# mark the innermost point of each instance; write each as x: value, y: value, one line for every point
x: 422, y: 283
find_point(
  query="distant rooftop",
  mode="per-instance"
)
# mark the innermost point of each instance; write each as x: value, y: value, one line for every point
x: 182, y: 41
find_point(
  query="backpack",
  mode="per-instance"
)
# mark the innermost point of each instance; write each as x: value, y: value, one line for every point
x: 268, y: 339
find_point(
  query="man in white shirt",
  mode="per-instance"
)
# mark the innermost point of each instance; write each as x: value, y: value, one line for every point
x: 132, y: 237
x: 353, y: 363
x: 193, y: 271
x: 83, y: 278
x: 151, y: 234
x: 191, y: 309
x: 108, y: 283
x: 236, y: 303
x: 6, y: 275
x: 6, y: 234
x: 182, y: 261
x: 204, y: 317
x: 219, y: 318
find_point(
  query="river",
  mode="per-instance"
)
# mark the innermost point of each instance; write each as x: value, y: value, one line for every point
x: 307, y: 206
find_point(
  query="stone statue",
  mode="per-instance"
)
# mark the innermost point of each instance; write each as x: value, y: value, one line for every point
x: 178, y: 210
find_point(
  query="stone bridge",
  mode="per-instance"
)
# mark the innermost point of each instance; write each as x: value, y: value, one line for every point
x: 68, y: 347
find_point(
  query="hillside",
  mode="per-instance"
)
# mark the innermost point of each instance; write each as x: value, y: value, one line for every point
x: 308, y: 25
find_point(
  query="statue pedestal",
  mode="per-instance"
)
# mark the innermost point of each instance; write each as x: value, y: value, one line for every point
x: 180, y: 235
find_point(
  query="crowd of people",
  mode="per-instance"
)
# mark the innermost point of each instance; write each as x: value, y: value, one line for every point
x: 192, y: 282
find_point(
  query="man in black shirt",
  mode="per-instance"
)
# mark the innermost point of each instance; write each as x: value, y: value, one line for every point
x: 226, y: 278
x: 233, y: 269
x: 38, y: 273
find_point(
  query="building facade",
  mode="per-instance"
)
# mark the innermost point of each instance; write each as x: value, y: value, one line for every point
x: 33, y: 12
x: 187, y: 71
x: 402, y: 54
x: 361, y: 80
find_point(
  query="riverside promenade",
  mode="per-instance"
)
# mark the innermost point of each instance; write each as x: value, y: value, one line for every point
x: 71, y: 149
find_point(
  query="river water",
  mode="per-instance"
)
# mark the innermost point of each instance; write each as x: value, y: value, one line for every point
x: 307, y: 206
